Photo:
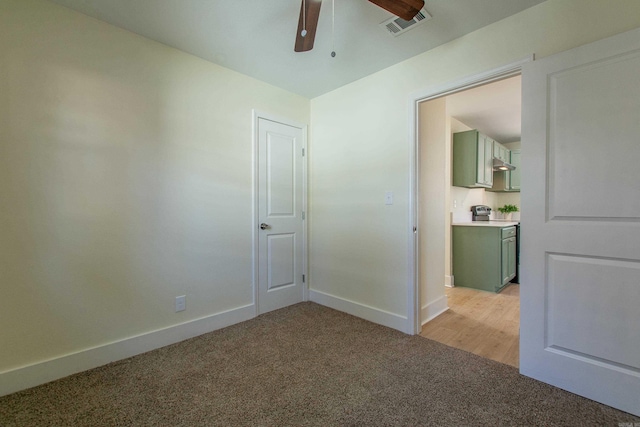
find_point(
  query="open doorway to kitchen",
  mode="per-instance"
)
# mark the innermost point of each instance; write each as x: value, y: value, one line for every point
x: 479, y: 312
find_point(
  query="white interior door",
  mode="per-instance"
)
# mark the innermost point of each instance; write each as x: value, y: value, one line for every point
x: 280, y: 215
x: 580, y: 292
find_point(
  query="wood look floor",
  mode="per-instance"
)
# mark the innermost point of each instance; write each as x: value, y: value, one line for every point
x: 480, y: 322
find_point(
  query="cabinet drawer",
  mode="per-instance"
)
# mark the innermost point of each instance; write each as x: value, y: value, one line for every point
x: 508, y: 232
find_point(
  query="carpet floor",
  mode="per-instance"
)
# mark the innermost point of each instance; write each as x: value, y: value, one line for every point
x: 304, y: 365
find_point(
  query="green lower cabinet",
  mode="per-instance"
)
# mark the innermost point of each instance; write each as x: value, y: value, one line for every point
x: 508, y: 259
x: 483, y: 257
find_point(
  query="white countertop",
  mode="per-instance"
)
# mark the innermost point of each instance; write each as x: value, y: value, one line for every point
x: 487, y: 223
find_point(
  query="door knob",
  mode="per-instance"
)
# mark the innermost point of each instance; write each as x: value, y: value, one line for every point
x: 264, y: 226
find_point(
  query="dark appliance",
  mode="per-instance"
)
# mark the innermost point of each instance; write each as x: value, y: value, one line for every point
x: 480, y: 213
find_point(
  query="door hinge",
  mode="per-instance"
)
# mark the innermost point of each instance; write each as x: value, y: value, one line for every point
x: 303, y: 215
x: 303, y: 151
x: 303, y: 278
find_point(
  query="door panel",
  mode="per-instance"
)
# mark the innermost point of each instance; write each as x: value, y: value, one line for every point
x: 576, y: 326
x: 581, y: 223
x: 281, y: 195
x: 281, y: 260
x: 280, y: 206
x: 591, y: 103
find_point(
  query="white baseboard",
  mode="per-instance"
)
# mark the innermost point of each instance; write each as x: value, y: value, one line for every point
x: 434, y: 309
x: 366, y: 312
x: 59, y: 367
x: 448, y: 281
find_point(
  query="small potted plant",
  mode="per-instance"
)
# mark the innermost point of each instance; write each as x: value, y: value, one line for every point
x: 507, y: 210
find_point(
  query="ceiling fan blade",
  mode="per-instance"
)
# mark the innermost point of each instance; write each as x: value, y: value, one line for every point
x: 405, y: 9
x: 305, y: 43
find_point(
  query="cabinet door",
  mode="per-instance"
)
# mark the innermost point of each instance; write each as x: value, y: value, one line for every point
x: 500, y: 151
x: 488, y: 162
x: 514, y: 176
x: 508, y: 259
x: 505, y: 261
x: 465, y: 159
x: 482, y: 141
x: 512, y: 257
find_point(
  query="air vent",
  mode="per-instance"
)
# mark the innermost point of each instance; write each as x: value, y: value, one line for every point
x: 396, y: 26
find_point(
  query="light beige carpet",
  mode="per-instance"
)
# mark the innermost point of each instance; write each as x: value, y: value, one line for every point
x: 303, y: 365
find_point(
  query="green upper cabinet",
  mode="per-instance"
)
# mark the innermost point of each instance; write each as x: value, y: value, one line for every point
x: 500, y: 152
x: 514, y: 176
x: 472, y: 160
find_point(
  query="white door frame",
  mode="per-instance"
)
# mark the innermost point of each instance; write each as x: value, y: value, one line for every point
x: 256, y: 116
x: 469, y: 82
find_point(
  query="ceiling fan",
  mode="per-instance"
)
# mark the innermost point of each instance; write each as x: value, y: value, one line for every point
x: 310, y: 11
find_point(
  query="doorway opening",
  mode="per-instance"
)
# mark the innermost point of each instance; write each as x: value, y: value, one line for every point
x: 479, y: 321
x: 485, y: 323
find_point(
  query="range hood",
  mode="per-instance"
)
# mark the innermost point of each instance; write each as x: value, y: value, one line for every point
x: 500, y: 165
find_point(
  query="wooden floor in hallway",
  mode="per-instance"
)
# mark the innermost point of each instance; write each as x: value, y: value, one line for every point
x: 480, y: 322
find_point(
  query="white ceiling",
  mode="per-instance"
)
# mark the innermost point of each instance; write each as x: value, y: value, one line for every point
x: 493, y: 109
x: 256, y: 37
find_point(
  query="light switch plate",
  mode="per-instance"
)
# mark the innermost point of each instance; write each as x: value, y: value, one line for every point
x: 388, y: 198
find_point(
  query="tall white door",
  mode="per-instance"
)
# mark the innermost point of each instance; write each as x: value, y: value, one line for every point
x: 280, y: 215
x: 580, y: 291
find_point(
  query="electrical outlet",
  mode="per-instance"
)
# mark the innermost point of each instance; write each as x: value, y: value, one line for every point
x: 181, y: 303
